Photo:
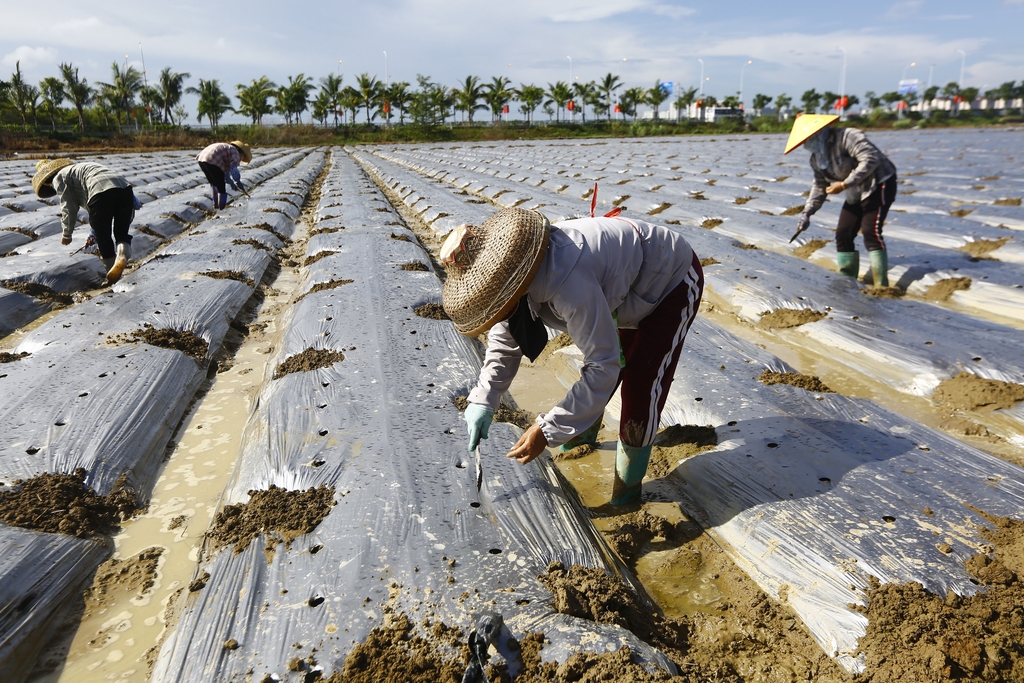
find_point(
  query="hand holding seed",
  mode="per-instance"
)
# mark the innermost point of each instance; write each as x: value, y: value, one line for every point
x: 531, y: 444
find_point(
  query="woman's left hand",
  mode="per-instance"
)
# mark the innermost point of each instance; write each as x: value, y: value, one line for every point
x: 531, y: 444
x: 835, y: 188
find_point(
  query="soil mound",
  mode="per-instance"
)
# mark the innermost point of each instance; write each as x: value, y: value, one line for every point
x: 280, y: 513
x: 967, y: 391
x: 559, y: 341
x: 432, y: 311
x: 321, y: 286
x: 573, y: 453
x: 401, y: 238
x: 982, y: 248
x: 709, y: 261
x: 679, y: 442
x: 1008, y: 201
x: 710, y: 223
x: 41, y: 292
x: 310, y: 359
x: 166, y: 338
x: 504, y: 413
x: 135, y: 574
x: 310, y: 260
x: 635, y: 530
x: 325, y: 231
x: 796, y: 379
x: 793, y: 210
x: 885, y: 292
x: 744, y: 245
x: 805, y: 250
x: 415, y: 265
x: 235, y: 275
x: 943, y: 289
x: 252, y: 243
x: 783, y: 318
x: 8, y: 357
x: 62, y: 503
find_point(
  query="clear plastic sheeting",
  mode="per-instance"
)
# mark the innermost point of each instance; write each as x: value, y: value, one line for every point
x: 410, y: 528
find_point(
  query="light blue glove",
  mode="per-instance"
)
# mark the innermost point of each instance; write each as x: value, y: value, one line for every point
x: 478, y: 420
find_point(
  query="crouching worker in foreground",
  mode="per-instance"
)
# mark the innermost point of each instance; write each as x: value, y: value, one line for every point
x: 107, y: 196
x: 626, y: 292
x: 219, y: 163
x: 844, y: 160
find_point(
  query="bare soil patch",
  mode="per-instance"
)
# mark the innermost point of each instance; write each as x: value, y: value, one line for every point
x: 885, y: 292
x: 433, y: 311
x: 321, y: 286
x: 418, y: 266
x: 744, y: 245
x: 709, y: 261
x: 960, y: 213
x: 793, y: 210
x: 401, y: 238
x: 310, y: 260
x: 658, y: 209
x: 967, y: 391
x: 310, y: 359
x: 235, y: 275
x: 679, y: 442
x: 710, y: 223
x: 743, y: 200
x: 62, y: 503
x: 805, y: 250
x: 943, y: 289
x: 41, y: 292
x: 8, y: 357
x: 982, y: 248
x: 783, y: 318
x: 185, y: 341
x: 795, y: 379
x: 282, y: 514
x: 132, y: 575
x: 252, y: 243
x: 1008, y: 201
x: 325, y: 231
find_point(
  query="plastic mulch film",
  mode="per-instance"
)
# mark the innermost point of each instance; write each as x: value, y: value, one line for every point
x: 96, y: 392
x: 409, y: 532
x: 813, y: 493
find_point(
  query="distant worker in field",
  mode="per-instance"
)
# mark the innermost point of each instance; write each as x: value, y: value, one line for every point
x: 844, y: 160
x: 219, y: 163
x: 107, y: 196
x: 626, y: 291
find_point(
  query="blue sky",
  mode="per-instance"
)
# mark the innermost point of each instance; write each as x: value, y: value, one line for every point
x: 792, y: 46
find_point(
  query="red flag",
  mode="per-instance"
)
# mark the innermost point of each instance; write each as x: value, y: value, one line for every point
x: 618, y: 110
x: 504, y: 110
x: 570, y: 105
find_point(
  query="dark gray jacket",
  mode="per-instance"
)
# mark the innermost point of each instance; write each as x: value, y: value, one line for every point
x: 853, y: 160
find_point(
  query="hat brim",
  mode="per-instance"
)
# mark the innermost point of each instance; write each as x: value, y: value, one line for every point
x: 805, y: 126
x: 511, y: 304
x: 41, y: 181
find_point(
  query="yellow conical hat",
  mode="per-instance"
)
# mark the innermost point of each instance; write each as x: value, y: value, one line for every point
x: 805, y: 126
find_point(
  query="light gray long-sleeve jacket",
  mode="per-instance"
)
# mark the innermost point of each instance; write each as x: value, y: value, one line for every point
x: 854, y: 160
x: 593, y: 267
x: 77, y: 184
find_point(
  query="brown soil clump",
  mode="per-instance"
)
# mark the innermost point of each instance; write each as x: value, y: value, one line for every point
x: 516, y: 416
x: 310, y: 359
x: 415, y: 265
x: 325, y: 231
x: 743, y: 200
x: 967, y: 391
x: 559, y: 341
x: 432, y: 311
x: 41, y: 292
x: 710, y: 223
x: 636, y: 529
x: 982, y: 248
x: 186, y: 342
x: 709, y: 261
x: 235, y: 275
x: 1008, y: 201
x: 310, y: 260
x: 960, y: 213
x: 401, y: 238
x: 132, y: 575
x: 783, y: 318
x: 573, y: 453
x: 943, y: 289
x: 658, y: 209
x: 284, y: 515
x: 8, y: 357
x: 885, y: 292
x: 252, y: 243
x: 796, y: 379
x: 460, y: 403
x: 805, y: 250
x: 676, y: 443
x: 62, y: 503
x: 793, y: 210
x: 744, y: 245
x: 321, y: 286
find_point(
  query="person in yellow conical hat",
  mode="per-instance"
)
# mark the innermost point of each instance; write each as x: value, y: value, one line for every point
x: 844, y: 160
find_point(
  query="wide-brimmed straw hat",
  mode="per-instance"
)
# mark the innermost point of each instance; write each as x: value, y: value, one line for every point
x: 45, y: 170
x: 490, y: 266
x: 805, y: 126
x: 243, y: 149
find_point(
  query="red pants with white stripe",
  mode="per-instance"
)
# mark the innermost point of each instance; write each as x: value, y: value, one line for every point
x: 652, y: 351
x: 868, y: 217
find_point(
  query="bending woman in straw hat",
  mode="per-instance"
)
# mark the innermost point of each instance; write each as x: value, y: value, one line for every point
x: 844, y: 160
x: 108, y: 198
x: 219, y: 163
x: 626, y: 292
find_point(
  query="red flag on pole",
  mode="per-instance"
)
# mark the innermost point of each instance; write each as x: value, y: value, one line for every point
x: 570, y: 105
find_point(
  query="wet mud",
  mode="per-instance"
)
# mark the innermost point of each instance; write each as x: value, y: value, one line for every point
x: 432, y: 311
x: 796, y: 379
x: 784, y: 318
x: 967, y: 391
x: 282, y: 514
x: 310, y: 359
x: 133, y: 575
x: 321, y: 286
x: 885, y: 292
x: 505, y: 413
x: 580, y: 451
x: 944, y: 289
x: 62, y: 503
x: 676, y: 443
x: 178, y: 340
x: 41, y: 292
x: 805, y: 250
x: 416, y: 266
x: 235, y: 275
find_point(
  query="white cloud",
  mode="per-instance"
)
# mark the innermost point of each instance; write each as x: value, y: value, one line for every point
x: 30, y: 57
x: 903, y: 10
x: 676, y: 11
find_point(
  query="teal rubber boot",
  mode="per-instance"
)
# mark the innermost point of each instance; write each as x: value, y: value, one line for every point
x: 849, y: 262
x: 587, y: 436
x: 880, y: 267
x: 630, y: 468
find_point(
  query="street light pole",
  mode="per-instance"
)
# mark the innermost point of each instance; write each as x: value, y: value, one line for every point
x: 145, y: 81
x: 904, y: 76
x: 701, y: 76
x: 963, y: 63
x: 749, y: 61
x: 570, y: 68
x: 842, y: 87
x: 387, y: 85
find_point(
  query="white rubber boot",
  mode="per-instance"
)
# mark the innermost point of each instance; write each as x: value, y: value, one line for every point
x: 124, y: 252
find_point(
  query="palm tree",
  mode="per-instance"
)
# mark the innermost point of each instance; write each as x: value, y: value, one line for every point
x: 170, y: 88
x: 467, y: 98
x: 531, y: 96
x: 559, y: 94
x: 53, y: 95
x: 811, y: 99
x: 331, y: 85
x: 349, y: 101
x: 655, y: 96
x: 684, y: 100
x: 77, y: 90
x: 584, y: 94
x: 629, y: 100
x: 369, y: 89
x: 253, y: 99
x: 760, y: 102
x: 126, y: 84
x: 322, y: 107
x: 399, y: 96
x: 213, y: 103
x: 295, y: 96
x: 781, y: 103
x: 19, y: 92
x: 497, y: 95
x: 608, y: 85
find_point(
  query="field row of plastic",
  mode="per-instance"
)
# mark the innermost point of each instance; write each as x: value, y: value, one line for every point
x: 410, y: 532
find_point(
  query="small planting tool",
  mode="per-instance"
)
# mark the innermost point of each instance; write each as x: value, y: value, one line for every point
x: 479, y: 470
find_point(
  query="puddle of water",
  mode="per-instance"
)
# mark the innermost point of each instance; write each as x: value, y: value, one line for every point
x: 113, y: 643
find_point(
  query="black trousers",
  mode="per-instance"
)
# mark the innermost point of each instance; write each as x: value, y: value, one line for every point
x: 867, y: 218
x: 110, y: 214
x: 215, y: 174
